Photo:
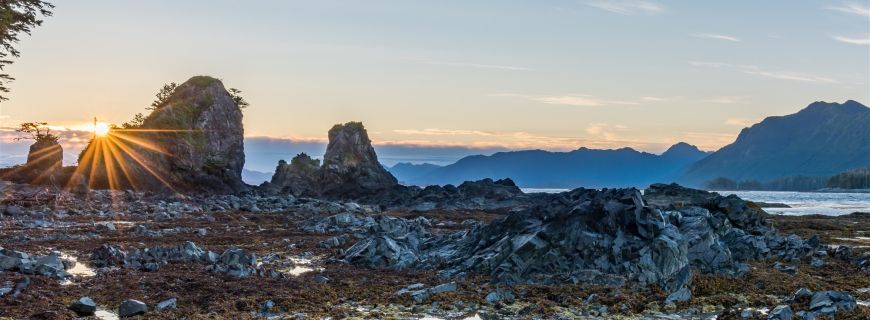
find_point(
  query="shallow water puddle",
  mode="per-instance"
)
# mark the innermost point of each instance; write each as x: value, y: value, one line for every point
x: 78, y: 270
x: 104, y: 314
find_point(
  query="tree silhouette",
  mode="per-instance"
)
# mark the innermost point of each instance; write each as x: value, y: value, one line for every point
x: 38, y: 131
x: 17, y: 17
x: 163, y: 96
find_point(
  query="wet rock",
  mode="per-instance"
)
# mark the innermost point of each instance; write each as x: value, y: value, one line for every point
x: 781, y: 312
x: 322, y: 279
x: 166, y: 304
x: 105, y: 227
x: 827, y: 303
x: 785, y: 268
x: 817, y: 263
x: 334, y: 241
x: 131, y: 308
x: 681, y: 295
x: 423, y: 294
x: 84, y: 306
x: 499, y: 295
x: 13, y: 210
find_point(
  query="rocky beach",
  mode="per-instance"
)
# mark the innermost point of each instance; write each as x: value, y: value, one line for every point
x: 166, y: 229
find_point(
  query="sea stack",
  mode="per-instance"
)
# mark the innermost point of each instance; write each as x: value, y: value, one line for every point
x: 192, y: 141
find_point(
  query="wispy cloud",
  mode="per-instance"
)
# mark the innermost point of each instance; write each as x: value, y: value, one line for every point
x: 859, y: 41
x: 759, y: 71
x: 741, y: 122
x: 479, y: 65
x: 715, y: 36
x: 852, y: 8
x: 629, y: 8
x: 727, y: 100
x: 442, y: 132
x: 579, y: 100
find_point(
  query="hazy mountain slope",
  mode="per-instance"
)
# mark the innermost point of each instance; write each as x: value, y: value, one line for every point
x: 581, y: 167
x: 405, y: 171
x: 821, y: 140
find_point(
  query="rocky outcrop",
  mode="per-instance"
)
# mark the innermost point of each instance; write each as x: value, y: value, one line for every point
x: 192, y: 142
x: 610, y: 237
x: 299, y: 177
x: 350, y: 165
x: 43, y: 166
x: 350, y: 168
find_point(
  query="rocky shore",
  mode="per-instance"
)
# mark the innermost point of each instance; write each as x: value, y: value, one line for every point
x: 672, y: 253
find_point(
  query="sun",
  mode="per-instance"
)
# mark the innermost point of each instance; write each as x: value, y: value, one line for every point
x: 101, y: 129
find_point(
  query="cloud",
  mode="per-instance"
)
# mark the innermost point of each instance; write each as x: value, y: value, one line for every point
x: 480, y: 66
x: 629, y: 8
x: 741, y: 122
x: 852, y: 8
x: 579, y: 100
x: 715, y: 36
x: 859, y: 41
x: 442, y: 132
x: 727, y: 100
x: 789, y: 76
x: 759, y: 71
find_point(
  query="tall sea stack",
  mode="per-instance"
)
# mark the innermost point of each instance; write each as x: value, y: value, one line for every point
x: 192, y: 141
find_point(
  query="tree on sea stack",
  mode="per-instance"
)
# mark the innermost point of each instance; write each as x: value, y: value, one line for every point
x: 191, y: 142
x: 44, y: 159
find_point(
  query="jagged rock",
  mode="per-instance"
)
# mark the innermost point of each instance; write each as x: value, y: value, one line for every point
x: 606, y: 237
x: 419, y: 294
x: 166, y: 304
x: 350, y: 168
x: 300, y: 177
x: 84, y: 306
x: 827, y: 303
x: 781, y: 312
x: 499, y: 295
x: 192, y: 142
x: 131, y: 308
x: 682, y: 295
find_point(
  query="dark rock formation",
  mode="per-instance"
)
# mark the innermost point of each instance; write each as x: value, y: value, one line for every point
x: 299, y: 177
x: 350, y: 165
x: 43, y: 166
x: 610, y: 237
x: 350, y: 168
x: 192, y: 142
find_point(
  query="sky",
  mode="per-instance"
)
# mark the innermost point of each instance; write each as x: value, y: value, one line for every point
x: 487, y: 75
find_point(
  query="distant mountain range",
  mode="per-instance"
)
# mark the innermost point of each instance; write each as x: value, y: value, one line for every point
x: 821, y: 140
x: 545, y: 169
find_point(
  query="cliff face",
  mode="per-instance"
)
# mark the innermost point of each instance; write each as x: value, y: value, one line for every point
x: 191, y: 142
x: 350, y: 167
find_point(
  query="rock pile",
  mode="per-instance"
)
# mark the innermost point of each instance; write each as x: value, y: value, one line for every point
x: 609, y: 237
x: 233, y: 261
x: 50, y: 266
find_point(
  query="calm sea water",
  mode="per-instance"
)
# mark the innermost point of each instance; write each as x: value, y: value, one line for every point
x: 802, y: 203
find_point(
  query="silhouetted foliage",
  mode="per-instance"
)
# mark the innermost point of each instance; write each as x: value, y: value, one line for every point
x: 796, y: 183
x: 237, y: 98
x: 37, y: 131
x: 16, y: 17
x: 852, y: 179
x: 137, y: 122
x: 163, y: 96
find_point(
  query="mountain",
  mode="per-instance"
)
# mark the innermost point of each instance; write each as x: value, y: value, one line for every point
x: 254, y: 177
x: 406, y: 171
x: 581, y: 167
x: 823, y: 139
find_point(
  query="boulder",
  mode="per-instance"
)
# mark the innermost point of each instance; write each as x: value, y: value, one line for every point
x: 84, y: 306
x: 781, y: 312
x: 827, y: 303
x: 166, y: 304
x: 192, y: 142
x: 130, y: 308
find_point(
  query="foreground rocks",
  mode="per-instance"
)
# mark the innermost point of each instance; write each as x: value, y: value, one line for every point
x: 609, y: 237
